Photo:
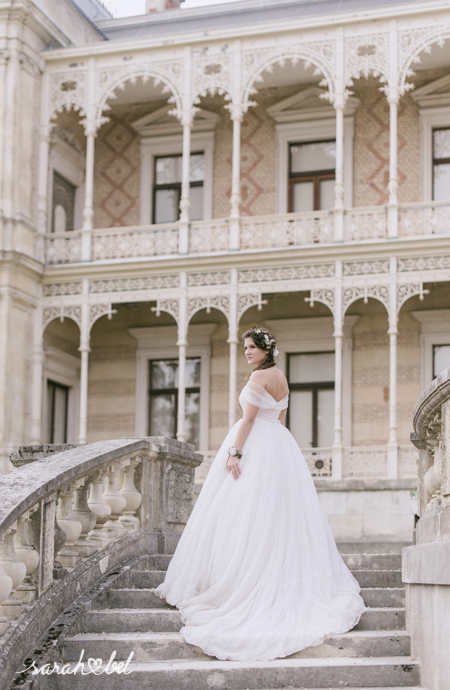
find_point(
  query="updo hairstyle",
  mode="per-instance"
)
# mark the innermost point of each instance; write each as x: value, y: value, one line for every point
x: 265, y: 340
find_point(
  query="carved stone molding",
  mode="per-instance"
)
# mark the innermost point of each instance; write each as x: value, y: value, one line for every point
x: 426, y: 263
x: 262, y: 275
x: 366, y: 55
x: 67, y: 90
x: 365, y: 267
x: 212, y: 71
x: 53, y: 289
x: 134, y: 284
x: 219, y: 278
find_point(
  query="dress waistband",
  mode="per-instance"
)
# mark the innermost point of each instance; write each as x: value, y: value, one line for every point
x: 271, y: 421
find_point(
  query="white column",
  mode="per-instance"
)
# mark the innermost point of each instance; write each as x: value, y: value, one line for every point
x: 182, y: 345
x: 43, y: 201
x: 392, y: 449
x: 3, y: 63
x: 84, y: 349
x: 233, y: 343
x: 38, y: 364
x: 185, y: 203
x: 337, y: 450
x: 393, y: 98
x: 339, y: 105
x: 88, y: 210
x: 236, y: 117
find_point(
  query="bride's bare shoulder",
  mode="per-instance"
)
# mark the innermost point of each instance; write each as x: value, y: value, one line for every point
x: 267, y: 377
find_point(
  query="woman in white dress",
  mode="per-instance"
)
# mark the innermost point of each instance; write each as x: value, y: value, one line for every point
x: 256, y: 574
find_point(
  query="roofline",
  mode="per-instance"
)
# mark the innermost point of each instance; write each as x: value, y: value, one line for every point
x: 89, y: 20
x: 384, y: 12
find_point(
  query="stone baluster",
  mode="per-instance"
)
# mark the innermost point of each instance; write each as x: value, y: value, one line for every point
x: 16, y: 571
x: 99, y: 507
x: 5, y: 590
x: 132, y: 496
x: 68, y: 556
x: 113, y: 529
x: 84, y: 514
x: 432, y: 480
x: 26, y: 552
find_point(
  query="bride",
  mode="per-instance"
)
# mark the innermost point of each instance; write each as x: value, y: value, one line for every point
x: 256, y: 574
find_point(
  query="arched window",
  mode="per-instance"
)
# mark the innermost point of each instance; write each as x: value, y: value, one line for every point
x: 59, y: 219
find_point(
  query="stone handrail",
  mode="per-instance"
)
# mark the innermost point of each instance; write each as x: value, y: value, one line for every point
x: 68, y: 519
x: 431, y: 436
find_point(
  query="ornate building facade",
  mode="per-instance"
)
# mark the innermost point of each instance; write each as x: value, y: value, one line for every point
x: 171, y: 179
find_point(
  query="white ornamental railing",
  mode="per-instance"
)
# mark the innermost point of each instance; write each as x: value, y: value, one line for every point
x: 424, y: 218
x: 63, y: 248
x: 318, y: 461
x: 209, y: 236
x: 287, y: 230
x: 135, y: 242
x: 368, y: 223
x: 365, y: 461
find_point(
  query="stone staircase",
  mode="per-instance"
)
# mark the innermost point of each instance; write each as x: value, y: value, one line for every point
x: 129, y: 617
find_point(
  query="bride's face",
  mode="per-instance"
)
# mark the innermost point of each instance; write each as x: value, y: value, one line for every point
x: 255, y: 355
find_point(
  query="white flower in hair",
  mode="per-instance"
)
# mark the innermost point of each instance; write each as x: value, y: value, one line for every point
x: 275, y: 352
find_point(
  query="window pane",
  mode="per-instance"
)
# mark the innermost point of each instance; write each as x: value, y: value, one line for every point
x: 63, y: 198
x: 441, y: 359
x: 192, y: 373
x: 198, y: 167
x: 163, y: 374
x: 441, y: 182
x: 303, y: 197
x: 308, y: 157
x: 60, y: 416
x: 300, y: 417
x: 50, y: 390
x: 168, y: 170
x: 192, y: 418
x: 326, y: 194
x: 325, y: 418
x: 311, y: 367
x: 196, y: 197
x: 166, y: 205
x: 162, y: 415
x: 441, y: 143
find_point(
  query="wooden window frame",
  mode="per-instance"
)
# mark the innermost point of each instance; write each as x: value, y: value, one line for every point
x: 54, y: 385
x: 172, y: 185
x: 315, y: 176
x: 436, y: 161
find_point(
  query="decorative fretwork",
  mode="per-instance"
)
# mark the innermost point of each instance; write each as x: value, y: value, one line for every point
x: 168, y: 72
x: 171, y: 306
x: 219, y: 278
x: 96, y: 311
x: 63, y: 249
x: 54, y: 289
x: 209, y: 236
x: 407, y: 461
x: 61, y: 312
x: 323, y: 295
x: 351, y: 294
x: 67, y: 90
x: 411, y: 43
x: 365, y: 224
x: 407, y: 290
x: 247, y: 301
x: 318, y: 461
x: 127, y: 243
x: 365, y: 267
x: 286, y: 231
x: 221, y: 302
x: 426, y: 263
x: 135, y: 284
x: 320, y: 54
x: 365, y: 461
x: 212, y: 71
x: 262, y: 275
x: 424, y: 219
x: 366, y: 55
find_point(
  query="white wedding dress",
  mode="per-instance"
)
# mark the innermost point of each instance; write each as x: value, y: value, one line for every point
x: 257, y: 574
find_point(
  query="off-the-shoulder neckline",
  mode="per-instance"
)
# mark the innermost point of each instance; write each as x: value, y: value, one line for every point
x: 265, y: 389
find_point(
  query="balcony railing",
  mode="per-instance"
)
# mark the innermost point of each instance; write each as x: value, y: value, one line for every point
x: 255, y: 233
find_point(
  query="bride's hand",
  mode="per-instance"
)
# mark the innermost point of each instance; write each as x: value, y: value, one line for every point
x: 234, y: 466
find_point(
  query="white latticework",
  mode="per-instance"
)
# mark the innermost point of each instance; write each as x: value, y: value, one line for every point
x: 286, y: 230
x: 365, y: 55
x: 209, y: 236
x: 68, y: 90
x: 64, y: 248
x: 365, y: 224
x: 365, y: 461
x: 318, y: 461
x: 126, y: 243
x: 407, y: 461
x: 423, y: 219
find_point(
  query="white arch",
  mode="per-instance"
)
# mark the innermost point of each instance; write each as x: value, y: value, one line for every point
x: 365, y: 292
x: 413, y: 43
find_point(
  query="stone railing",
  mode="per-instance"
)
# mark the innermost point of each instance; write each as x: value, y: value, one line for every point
x: 70, y: 518
x: 63, y: 248
x: 426, y: 565
x: 318, y: 461
x: 207, y: 236
x: 365, y: 224
x: 424, y: 218
x: 135, y: 242
x: 287, y: 230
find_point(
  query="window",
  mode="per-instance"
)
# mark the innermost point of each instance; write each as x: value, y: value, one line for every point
x: 311, y: 176
x: 164, y: 398
x: 441, y: 359
x: 311, y: 404
x: 441, y: 164
x: 167, y: 187
x: 63, y: 211
x: 57, y: 406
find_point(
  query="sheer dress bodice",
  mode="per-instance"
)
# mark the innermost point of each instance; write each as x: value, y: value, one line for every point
x: 269, y: 408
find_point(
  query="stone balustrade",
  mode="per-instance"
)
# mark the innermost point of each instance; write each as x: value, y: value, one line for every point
x: 255, y: 233
x: 68, y: 518
x: 426, y: 565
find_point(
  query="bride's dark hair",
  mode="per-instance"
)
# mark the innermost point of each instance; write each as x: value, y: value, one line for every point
x: 265, y: 340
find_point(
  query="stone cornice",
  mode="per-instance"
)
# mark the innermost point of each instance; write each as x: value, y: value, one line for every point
x: 428, y: 405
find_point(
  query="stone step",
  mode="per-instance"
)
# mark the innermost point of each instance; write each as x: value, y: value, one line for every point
x: 372, y: 546
x: 383, y: 596
x: 135, y: 599
x: 382, y: 619
x: 376, y: 578
x: 163, y: 646
x: 281, y: 673
x: 154, y: 562
x: 169, y: 620
x: 373, y: 561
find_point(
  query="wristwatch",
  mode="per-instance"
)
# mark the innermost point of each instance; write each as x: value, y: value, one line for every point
x: 235, y: 452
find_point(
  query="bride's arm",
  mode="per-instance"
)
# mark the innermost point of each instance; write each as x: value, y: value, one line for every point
x: 250, y: 412
x: 282, y: 416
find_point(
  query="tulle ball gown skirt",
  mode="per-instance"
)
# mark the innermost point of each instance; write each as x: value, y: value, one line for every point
x: 256, y: 574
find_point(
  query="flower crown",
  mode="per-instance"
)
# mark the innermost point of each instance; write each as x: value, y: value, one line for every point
x: 267, y: 340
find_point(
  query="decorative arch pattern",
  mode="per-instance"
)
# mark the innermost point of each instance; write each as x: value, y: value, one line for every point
x: 67, y: 90
x: 322, y: 295
x: 170, y: 306
x: 320, y: 54
x: 247, y: 301
x: 220, y: 302
x: 413, y: 42
x: 96, y: 311
x: 366, y: 55
x: 352, y: 294
x: 407, y: 290
x: 61, y: 312
x: 212, y: 72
